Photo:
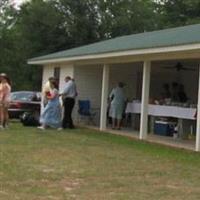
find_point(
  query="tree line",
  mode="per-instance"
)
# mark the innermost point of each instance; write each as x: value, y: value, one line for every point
x: 39, y: 27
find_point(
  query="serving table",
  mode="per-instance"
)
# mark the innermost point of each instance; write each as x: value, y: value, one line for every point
x: 181, y: 113
x: 163, y: 110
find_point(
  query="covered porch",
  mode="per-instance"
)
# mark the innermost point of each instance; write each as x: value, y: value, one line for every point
x: 141, y: 61
x: 141, y: 84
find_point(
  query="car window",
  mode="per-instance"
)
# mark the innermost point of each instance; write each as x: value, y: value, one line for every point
x: 23, y: 96
x: 36, y: 97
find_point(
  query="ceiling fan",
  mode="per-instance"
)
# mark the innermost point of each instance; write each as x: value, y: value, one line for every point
x: 179, y: 66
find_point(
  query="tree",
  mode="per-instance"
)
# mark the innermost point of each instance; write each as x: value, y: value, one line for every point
x: 177, y: 12
x: 80, y: 20
x: 32, y: 34
x: 7, y: 37
x: 122, y: 17
x: 40, y: 27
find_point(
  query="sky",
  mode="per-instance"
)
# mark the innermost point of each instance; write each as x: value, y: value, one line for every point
x: 18, y: 2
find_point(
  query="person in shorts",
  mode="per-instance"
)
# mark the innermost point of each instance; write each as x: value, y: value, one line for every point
x: 5, y: 90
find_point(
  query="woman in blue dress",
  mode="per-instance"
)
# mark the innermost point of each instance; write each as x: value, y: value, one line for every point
x: 51, y: 115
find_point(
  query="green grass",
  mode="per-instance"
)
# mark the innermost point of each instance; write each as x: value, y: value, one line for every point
x: 89, y: 165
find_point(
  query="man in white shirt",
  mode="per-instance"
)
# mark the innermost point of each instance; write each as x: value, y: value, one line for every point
x: 69, y: 94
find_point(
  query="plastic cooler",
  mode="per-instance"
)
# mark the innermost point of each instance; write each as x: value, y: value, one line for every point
x: 164, y: 128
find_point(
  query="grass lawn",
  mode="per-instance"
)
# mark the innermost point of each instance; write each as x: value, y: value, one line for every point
x: 88, y: 165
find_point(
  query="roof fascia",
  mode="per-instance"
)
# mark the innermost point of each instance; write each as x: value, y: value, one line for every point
x: 119, y: 54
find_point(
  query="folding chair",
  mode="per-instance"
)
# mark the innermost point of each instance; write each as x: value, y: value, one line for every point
x: 85, y: 112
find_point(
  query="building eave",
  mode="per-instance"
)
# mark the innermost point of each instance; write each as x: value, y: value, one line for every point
x: 138, y: 52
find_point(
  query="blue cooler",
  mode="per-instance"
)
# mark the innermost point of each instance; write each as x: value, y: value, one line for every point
x: 164, y: 128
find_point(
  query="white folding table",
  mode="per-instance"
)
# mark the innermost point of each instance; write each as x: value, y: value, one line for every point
x: 163, y: 110
x: 180, y: 113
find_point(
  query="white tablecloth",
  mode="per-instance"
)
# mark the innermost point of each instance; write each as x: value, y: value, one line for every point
x: 162, y: 110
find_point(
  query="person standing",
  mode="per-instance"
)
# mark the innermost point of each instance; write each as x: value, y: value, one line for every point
x: 51, y: 115
x: 5, y: 89
x: 68, y: 94
x: 117, y: 105
x: 46, y: 90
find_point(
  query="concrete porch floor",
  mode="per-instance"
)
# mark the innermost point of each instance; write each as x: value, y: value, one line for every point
x: 188, y: 144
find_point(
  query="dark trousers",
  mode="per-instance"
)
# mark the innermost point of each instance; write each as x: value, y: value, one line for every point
x: 67, y: 118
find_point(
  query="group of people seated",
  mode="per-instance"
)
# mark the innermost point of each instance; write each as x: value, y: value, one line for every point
x: 176, y: 92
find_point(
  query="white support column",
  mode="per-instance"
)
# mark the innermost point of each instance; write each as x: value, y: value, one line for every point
x: 104, y: 97
x: 145, y: 99
x: 197, y: 148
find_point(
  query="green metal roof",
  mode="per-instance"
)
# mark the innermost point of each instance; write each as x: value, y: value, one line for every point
x: 162, y: 38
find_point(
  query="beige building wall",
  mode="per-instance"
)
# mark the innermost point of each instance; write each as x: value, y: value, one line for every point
x: 48, y: 71
x: 65, y: 70
x: 88, y: 80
